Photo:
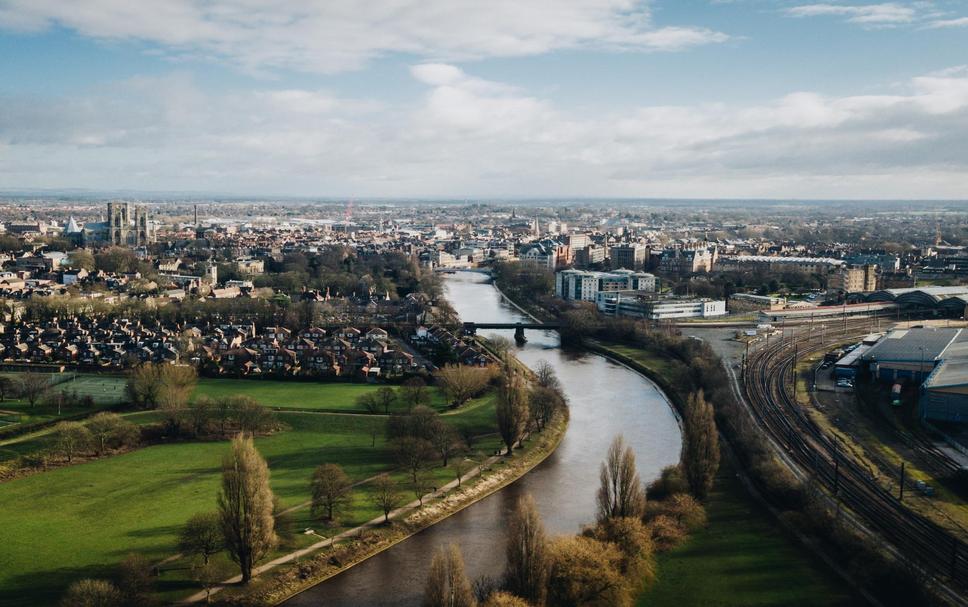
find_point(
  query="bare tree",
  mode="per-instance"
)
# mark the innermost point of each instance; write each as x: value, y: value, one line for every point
x: 462, y: 382
x: 527, y: 555
x: 134, y: 579
x: 202, y: 536
x: 369, y: 403
x: 413, y: 454
x: 512, y: 408
x: 330, y: 489
x: 445, y: 440
x: 33, y: 386
x: 621, y: 493
x: 386, y: 495
x: 110, y: 430
x: 701, y: 453
x: 385, y: 396
x: 245, y: 505
x: 71, y: 438
x: 414, y: 392
x: 543, y: 404
x: 447, y: 584
x: 7, y: 388
x: 546, y: 376
x: 586, y: 572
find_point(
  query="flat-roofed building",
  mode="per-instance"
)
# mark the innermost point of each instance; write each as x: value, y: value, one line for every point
x: 584, y: 285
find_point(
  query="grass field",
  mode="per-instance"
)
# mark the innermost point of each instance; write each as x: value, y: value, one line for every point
x: 741, y: 559
x: 331, y: 396
x: 81, y: 520
x: 106, y: 390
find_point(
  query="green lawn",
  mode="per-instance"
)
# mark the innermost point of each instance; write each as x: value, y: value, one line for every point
x: 81, y: 520
x: 106, y: 390
x: 742, y: 559
x: 329, y: 396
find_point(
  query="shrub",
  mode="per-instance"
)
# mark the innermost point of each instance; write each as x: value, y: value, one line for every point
x: 666, y: 532
x: 669, y: 482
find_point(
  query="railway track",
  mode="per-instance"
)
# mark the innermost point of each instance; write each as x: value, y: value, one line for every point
x: 768, y: 377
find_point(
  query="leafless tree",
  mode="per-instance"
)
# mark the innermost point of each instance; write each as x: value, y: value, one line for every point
x: 330, y: 489
x: 447, y: 584
x: 386, y: 495
x: 527, y: 558
x: 620, y: 493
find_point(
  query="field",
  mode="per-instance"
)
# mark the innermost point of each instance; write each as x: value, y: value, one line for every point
x: 742, y: 558
x: 333, y: 397
x: 81, y: 520
x: 106, y: 390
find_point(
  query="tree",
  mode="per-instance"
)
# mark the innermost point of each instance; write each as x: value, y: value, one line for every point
x: 81, y: 259
x: 414, y: 392
x: 527, y: 553
x: 385, y: 396
x: 6, y: 388
x: 546, y: 376
x: 201, y: 537
x: 144, y: 385
x: 245, y: 505
x: 412, y: 453
x: 445, y: 441
x: 71, y: 438
x: 585, y: 572
x: 92, y: 593
x: 462, y: 382
x: 251, y: 415
x: 198, y: 414
x: 134, y: 579
x: 421, y: 484
x: 330, y: 489
x: 369, y: 403
x: 111, y: 431
x: 116, y: 259
x: 634, y: 540
x: 701, y: 451
x: 177, y: 383
x: 447, y: 584
x: 543, y: 404
x: 512, y: 408
x: 620, y: 493
x: 33, y: 386
x: 386, y: 496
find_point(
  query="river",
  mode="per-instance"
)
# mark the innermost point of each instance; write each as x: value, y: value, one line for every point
x: 606, y: 399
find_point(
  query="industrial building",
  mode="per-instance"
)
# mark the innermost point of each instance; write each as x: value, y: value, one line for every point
x: 911, y: 354
x: 652, y: 307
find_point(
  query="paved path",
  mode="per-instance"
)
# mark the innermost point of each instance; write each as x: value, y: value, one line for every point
x: 296, y: 555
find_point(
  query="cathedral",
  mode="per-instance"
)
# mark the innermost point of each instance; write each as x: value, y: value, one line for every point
x: 127, y: 225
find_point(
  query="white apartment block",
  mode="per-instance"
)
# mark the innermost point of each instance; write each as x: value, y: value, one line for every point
x: 585, y: 286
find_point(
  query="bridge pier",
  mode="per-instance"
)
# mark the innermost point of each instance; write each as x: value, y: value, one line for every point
x: 519, y: 334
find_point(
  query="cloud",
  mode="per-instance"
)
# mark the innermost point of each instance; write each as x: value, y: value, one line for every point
x: 468, y: 136
x: 885, y: 14
x: 945, y: 23
x: 329, y: 36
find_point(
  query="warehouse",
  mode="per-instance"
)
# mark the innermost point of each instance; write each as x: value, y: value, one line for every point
x: 913, y: 353
x: 944, y: 396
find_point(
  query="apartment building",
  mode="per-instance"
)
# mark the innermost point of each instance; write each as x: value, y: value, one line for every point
x: 584, y: 286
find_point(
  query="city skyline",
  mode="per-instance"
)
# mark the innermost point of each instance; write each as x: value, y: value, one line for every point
x: 627, y: 99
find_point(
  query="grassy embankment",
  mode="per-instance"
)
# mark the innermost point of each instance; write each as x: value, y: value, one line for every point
x: 81, y: 520
x: 742, y: 557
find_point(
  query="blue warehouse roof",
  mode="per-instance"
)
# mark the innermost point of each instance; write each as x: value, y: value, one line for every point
x: 910, y: 345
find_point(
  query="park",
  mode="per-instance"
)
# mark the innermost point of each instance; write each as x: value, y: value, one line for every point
x: 70, y: 522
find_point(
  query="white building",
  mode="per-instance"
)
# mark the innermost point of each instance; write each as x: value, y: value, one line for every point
x: 585, y: 286
x: 638, y: 305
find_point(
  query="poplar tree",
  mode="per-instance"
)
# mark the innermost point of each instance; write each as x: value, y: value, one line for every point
x: 245, y: 506
x: 447, y: 583
x: 701, y: 457
x: 620, y: 493
x: 527, y: 554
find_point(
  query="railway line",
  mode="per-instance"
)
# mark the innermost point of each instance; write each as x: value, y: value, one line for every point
x: 768, y: 376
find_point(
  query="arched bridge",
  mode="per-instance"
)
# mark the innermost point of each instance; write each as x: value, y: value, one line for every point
x: 470, y: 328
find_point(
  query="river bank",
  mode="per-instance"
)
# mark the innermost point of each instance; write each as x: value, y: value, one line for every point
x: 605, y: 399
x: 332, y: 557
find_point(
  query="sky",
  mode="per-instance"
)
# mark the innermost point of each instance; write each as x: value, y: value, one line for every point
x: 488, y: 99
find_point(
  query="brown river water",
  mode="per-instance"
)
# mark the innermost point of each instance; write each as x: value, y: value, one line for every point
x: 606, y: 399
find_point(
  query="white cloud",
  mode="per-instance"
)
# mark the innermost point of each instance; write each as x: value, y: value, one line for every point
x: 885, y: 14
x: 330, y: 36
x: 470, y: 136
x: 946, y: 23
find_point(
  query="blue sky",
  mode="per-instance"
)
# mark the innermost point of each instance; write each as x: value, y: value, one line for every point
x: 508, y: 98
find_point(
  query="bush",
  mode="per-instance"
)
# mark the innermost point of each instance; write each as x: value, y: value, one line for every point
x: 666, y: 532
x: 682, y: 508
x: 92, y: 593
x: 669, y: 482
